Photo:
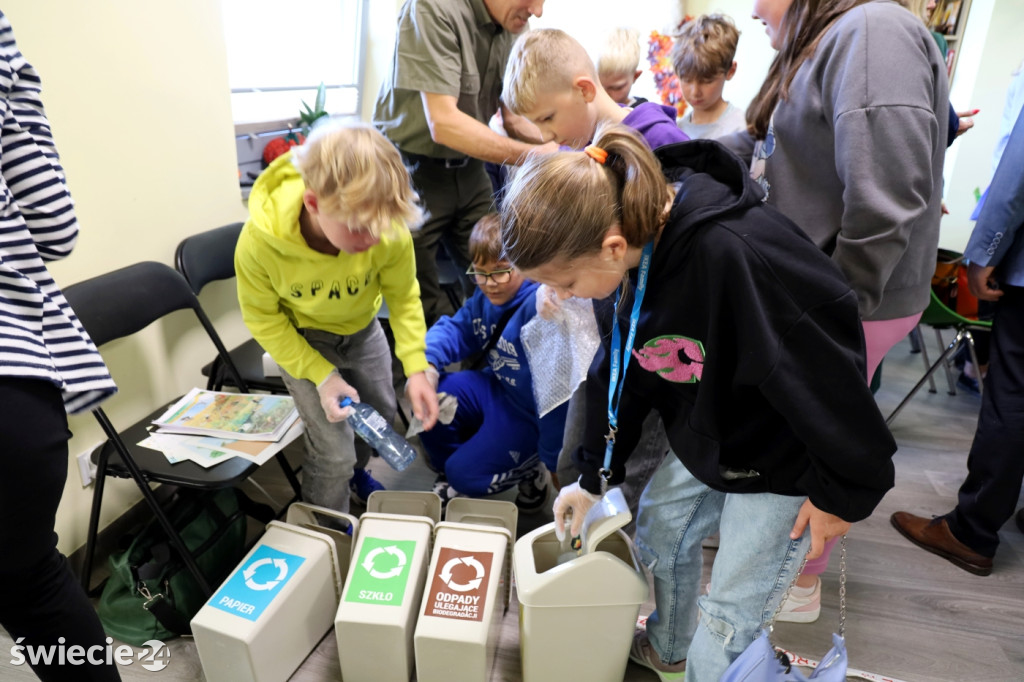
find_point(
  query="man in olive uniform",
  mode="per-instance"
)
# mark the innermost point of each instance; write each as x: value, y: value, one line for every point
x: 443, y: 87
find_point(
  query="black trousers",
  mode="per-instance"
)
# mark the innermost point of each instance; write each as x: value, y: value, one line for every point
x: 454, y: 199
x: 995, y: 465
x: 40, y: 599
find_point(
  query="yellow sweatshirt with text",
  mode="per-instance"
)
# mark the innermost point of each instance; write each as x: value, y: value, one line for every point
x: 284, y: 285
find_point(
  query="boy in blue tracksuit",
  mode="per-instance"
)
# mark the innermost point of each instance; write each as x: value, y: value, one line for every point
x: 496, y: 439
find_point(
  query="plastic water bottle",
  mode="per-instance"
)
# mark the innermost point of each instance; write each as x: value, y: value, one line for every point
x: 377, y: 432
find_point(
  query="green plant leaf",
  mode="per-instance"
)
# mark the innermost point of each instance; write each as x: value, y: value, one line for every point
x: 321, y: 98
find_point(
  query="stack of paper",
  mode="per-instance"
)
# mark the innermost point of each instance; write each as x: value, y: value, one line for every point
x: 207, y: 427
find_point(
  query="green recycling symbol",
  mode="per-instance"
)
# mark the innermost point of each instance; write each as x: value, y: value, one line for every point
x: 381, y: 571
x: 394, y: 572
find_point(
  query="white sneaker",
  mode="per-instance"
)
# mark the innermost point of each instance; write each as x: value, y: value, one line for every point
x: 801, y: 609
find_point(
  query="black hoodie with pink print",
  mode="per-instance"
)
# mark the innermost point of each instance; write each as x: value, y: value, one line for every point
x: 750, y: 347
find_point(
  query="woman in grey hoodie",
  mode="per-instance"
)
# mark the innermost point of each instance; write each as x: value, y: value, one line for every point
x: 847, y: 137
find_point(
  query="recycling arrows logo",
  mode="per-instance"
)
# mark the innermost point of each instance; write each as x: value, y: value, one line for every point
x: 368, y: 562
x: 446, y: 574
x: 250, y: 571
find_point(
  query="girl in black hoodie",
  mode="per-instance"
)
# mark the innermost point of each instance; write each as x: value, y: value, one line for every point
x: 745, y: 338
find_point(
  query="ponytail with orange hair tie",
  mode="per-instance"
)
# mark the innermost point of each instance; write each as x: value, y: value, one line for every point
x: 596, y: 153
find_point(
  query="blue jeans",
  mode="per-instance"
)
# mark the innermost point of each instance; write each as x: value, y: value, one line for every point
x: 755, y: 564
x: 333, y: 450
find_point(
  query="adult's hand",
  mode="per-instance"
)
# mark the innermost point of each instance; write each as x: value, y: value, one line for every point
x: 546, y: 148
x: 982, y: 284
x: 824, y: 527
x: 966, y: 122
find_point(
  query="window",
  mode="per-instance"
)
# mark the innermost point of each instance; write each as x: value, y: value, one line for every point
x: 278, y: 54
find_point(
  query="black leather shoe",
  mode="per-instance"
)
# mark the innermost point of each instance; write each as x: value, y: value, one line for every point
x: 1020, y: 519
x: 934, y: 535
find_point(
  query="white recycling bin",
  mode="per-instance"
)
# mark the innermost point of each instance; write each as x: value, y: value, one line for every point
x: 377, y: 614
x: 274, y: 608
x: 467, y: 591
x: 578, y: 610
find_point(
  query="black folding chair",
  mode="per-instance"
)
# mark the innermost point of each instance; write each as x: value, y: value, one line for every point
x: 116, y: 305
x: 209, y: 257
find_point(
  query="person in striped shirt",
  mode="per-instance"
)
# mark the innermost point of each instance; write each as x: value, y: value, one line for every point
x: 49, y: 367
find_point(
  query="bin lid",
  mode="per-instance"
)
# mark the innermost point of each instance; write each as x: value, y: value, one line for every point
x: 304, y: 514
x: 608, y: 515
x: 483, y: 512
x: 405, y: 502
x: 338, y: 557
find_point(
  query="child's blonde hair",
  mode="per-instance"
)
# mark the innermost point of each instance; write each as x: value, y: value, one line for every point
x: 543, y: 60
x: 357, y: 175
x: 620, y: 55
x: 485, y: 239
x: 705, y: 47
x: 560, y: 206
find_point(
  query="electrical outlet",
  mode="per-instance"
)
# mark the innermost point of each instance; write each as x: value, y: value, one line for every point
x: 86, y: 469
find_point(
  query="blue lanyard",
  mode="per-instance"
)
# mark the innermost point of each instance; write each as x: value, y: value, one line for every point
x: 622, y: 357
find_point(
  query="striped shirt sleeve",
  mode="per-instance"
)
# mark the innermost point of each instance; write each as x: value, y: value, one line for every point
x: 40, y: 337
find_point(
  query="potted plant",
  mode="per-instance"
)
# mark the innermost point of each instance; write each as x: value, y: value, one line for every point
x: 307, y: 117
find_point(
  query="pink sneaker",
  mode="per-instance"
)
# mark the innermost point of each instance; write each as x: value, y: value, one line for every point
x: 797, y: 609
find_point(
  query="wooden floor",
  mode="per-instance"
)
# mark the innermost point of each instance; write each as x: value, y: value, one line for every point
x: 910, y: 615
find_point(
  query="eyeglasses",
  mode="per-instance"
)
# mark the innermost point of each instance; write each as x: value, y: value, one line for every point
x: 498, y: 276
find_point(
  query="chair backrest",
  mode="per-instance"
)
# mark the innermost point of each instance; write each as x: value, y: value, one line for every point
x: 208, y: 256
x: 120, y: 303
x: 938, y: 314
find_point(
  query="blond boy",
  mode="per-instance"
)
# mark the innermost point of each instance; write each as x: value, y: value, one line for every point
x: 327, y: 238
x: 618, y: 65
x: 551, y: 81
x: 703, y: 59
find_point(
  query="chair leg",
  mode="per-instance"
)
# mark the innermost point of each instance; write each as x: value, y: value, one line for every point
x: 956, y: 344
x: 289, y: 473
x: 974, y: 360
x: 94, y: 521
x: 923, y: 349
x: 154, y: 505
x: 942, y: 361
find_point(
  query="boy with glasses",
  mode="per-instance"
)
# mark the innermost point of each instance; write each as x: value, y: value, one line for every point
x: 496, y: 440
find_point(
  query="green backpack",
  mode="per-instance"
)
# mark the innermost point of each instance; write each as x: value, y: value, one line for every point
x: 150, y: 593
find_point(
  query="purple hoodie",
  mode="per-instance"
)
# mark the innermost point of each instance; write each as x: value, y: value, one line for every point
x: 657, y: 123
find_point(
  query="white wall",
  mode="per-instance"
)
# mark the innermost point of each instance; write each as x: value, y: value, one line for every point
x: 380, y: 29
x: 991, y: 51
x: 137, y: 94
x: 590, y: 28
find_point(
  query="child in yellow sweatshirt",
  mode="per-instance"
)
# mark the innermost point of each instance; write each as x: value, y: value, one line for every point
x: 327, y: 239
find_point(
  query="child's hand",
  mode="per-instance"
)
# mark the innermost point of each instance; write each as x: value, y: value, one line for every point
x: 577, y: 500
x: 824, y: 527
x: 332, y: 390
x: 423, y: 397
x: 433, y: 376
x: 548, y: 305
